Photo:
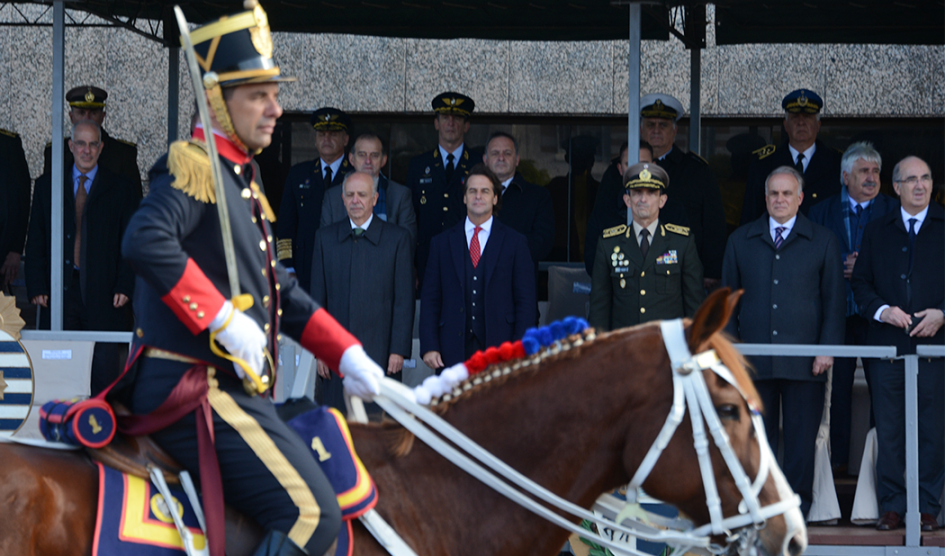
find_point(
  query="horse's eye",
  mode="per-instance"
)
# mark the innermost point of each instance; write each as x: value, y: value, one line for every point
x: 728, y: 411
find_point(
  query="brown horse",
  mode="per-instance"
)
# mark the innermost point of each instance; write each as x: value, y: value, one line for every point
x: 578, y: 422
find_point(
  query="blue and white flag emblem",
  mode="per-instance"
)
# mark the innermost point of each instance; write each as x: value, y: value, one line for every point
x: 16, y: 385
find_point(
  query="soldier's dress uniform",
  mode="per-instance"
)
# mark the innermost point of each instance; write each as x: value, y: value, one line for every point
x: 821, y: 176
x: 14, y: 194
x: 438, y: 204
x: 301, y: 210
x: 118, y: 156
x: 174, y: 243
x: 629, y: 288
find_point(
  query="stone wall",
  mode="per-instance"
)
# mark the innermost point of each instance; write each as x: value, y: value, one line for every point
x: 371, y: 74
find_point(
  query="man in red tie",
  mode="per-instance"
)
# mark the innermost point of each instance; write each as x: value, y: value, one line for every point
x: 97, y: 284
x: 479, y: 286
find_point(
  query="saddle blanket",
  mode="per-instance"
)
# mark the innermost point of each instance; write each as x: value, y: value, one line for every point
x: 133, y: 518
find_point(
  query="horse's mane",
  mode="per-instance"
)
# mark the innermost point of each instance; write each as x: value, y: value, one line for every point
x: 400, y: 440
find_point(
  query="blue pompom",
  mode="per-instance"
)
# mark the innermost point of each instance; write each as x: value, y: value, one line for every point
x: 544, y: 336
x: 558, y: 330
x: 531, y: 344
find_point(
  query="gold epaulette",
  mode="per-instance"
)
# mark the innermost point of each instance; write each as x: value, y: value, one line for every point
x: 129, y: 143
x: 189, y: 163
x: 698, y: 157
x: 765, y: 152
x: 261, y: 197
x: 10, y: 133
x: 284, y: 249
x: 681, y: 230
x: 615, y: 231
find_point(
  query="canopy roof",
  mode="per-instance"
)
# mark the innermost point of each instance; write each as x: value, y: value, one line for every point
x: 737, y: 21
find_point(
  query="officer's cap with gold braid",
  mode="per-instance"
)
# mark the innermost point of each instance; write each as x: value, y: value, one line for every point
x: 453, y: 103
x: 658, y: 105
x: 802, y: 101
x: 237, y: 48
x: 330, y: 119
x: 646, y: 175
x: 86, y: 96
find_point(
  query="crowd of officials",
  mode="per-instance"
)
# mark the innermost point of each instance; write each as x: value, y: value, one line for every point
x: 822, y: 255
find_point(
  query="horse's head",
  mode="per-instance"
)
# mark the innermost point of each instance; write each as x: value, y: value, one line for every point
x: 773, y: 525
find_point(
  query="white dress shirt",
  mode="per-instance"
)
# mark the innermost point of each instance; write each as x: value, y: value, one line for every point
x: 789, y: 225
x: 807, y: 154
x: 483, y: 233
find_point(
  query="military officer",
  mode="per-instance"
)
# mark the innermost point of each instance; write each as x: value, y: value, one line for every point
x: 301, y: 210
x: 803, y: 151
x: 186, y: 319
x: 436, y: 177
x: 649, y: 270
x: 118, y: 156
x: 693, y: 183
x: 14, y: 204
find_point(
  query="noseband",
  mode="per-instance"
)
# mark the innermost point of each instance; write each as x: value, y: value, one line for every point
x: 689, y: 389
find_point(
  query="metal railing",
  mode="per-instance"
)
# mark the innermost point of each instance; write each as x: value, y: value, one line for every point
x: 912, y: 518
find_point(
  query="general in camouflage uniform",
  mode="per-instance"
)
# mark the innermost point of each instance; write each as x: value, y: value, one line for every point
x: 648, y: 270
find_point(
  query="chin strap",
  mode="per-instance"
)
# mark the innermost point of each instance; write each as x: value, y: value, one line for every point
x: 222, y: 114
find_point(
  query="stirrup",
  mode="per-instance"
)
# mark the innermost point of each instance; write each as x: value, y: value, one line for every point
x: 276, y: 543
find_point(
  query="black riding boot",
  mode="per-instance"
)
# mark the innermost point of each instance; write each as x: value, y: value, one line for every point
x: 277, y: 543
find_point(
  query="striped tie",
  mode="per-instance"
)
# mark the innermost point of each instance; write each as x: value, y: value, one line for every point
x: 474, y: 247
x: 778, y: 238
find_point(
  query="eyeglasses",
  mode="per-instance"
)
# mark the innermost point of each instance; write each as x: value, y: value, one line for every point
x: 91, y: 144
x: 912, y: 180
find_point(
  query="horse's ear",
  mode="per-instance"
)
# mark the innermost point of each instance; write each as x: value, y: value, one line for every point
x: 712, y: 316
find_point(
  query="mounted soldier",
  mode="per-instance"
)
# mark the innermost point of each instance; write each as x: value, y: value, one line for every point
x: 196, y: 340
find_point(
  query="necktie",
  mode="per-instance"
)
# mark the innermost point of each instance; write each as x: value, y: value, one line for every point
x: 449, y: 168
x: 778, y: 238
x: 358, y: 232
x: 859, y: 210
x: 912, y: 222
x: 80, y: 197
x: 474, y: 251
x: 856, y: 226
x: 645, y: 241
x: 799, y: 165
x: 328, y: 176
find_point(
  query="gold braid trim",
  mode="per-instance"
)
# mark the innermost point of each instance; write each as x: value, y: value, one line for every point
x: 267, y: 210
x: 189, y: 163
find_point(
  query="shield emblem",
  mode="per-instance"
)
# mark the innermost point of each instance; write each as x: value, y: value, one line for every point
x: 16, y: 385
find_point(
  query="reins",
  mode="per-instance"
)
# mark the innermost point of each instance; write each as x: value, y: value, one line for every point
x: 690, y: 390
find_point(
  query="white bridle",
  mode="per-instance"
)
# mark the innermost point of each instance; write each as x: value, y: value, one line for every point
x: 689, y: 389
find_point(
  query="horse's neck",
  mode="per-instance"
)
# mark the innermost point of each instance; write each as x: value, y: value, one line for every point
x: 565, y: 428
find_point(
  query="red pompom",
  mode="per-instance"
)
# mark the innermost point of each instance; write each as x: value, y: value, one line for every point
x: 476, y: 363
x: 507, y: 351
x: 492, y: 355
x: 518, y: 350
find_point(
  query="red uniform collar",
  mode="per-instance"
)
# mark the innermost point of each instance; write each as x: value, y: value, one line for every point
x: 226, y: 148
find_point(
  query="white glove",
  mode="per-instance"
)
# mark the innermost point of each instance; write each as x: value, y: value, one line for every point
x: 242, y: 337
x: 362, y: 375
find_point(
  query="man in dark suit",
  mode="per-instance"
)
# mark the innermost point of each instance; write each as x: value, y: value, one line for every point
x: 362, y: 273
x: 118, y: 156
x: 97, y: 282
x: 899, y: 287
x: 691, y: 182
x: 526, y: 207
x: 14, y: 204
x: 479, y: 290
x: 644, y: 273
x: 394, y: 202
x: 818, y: 163
x: 792, y: 275
x: 846, y: 215
x: 436, y: 177
x: 301, y: 210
